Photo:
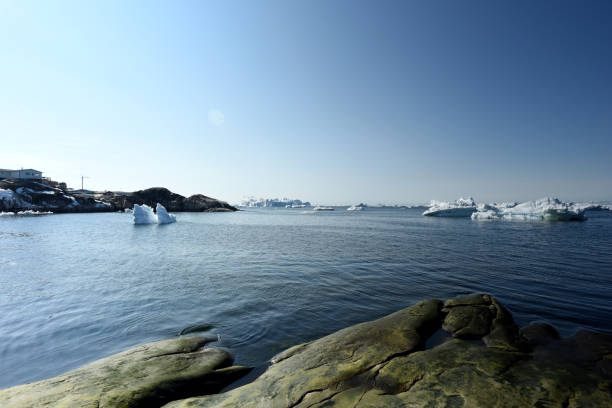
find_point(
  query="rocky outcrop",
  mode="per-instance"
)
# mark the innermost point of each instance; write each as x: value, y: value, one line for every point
x: 21, y: 195
x: 145, y: 376
x: 465, y: 352
x: 484, y: 361
x: 171, y: 201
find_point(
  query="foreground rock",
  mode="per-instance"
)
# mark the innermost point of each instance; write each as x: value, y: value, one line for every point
x: 44, y: 195
x: 145, y: 376
x: 465, y: 352
x: 384, y: 364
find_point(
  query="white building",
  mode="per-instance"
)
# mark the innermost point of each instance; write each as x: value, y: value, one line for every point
x: 21, y: 174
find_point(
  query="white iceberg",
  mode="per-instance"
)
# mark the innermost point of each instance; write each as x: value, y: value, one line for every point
x: 162, y: 215
x: 143, y: 214
x: 591, y: 206
x: 357, y: 207
x: 547, y: 209
x: 461, y: 208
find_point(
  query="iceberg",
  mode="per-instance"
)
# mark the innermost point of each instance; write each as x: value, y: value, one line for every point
x: 460, y: 208
x: 143, y: 214
x: 253, y: 202
x: 162, y: 215
x: 547, y: 209
x: 590, y: 206
x: 357, y: 207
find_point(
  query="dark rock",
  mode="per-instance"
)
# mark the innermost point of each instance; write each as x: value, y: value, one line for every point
x: 468, y: 322
x: 47, y: 195
x: 171, y: 201
x: 539, y: 334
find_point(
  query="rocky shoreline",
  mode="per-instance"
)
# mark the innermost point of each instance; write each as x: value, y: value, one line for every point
x: 465, y: 352
x: 43, y: 196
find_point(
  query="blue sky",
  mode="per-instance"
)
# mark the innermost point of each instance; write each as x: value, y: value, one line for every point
x: 333, y: 102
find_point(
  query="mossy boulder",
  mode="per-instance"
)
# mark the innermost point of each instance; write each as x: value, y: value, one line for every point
x: 384, y: 364
x: 146, y: 376
x: 316, y: 371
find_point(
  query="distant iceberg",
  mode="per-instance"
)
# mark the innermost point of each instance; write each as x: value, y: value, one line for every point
x: 547, y: 209
x: 273, y: 202
x: 357, y: 207
x: 162, y: 215
x: 590, y: 206
x: 463, y: 207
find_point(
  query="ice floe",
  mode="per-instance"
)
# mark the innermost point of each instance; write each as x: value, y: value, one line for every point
x: 143, y: 214
x: 33, y: 213
x: 463, y: 207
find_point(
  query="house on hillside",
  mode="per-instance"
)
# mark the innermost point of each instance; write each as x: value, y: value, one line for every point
x: 30, y: 174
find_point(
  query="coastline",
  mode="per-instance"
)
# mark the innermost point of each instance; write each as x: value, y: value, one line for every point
x: 49, y: 196
x: 464, y: 351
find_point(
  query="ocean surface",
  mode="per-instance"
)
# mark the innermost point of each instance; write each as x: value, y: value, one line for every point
x: 78, y: 287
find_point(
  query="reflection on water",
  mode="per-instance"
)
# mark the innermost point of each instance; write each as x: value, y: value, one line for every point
x: 77, y: 287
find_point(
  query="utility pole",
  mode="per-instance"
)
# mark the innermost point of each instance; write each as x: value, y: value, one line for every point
x: 83, y: 177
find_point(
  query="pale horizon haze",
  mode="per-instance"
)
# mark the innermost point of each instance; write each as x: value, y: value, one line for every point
x: 340, y: 102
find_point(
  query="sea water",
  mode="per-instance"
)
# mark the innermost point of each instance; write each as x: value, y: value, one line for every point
x: 78, y: 287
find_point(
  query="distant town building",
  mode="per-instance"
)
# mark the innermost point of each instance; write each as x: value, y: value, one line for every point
x: 20, y: 174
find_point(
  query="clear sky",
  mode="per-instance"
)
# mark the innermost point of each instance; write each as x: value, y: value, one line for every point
x: 328, y: 101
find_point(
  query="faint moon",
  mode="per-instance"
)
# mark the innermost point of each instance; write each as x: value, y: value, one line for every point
x: 216, y: 117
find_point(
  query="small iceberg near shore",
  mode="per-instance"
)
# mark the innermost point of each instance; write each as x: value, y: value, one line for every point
x: 162, y: 215
x: 463, y: 207
x: 143, y: 214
